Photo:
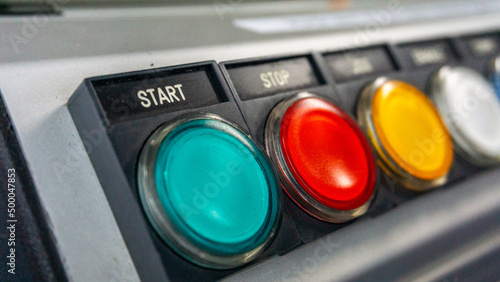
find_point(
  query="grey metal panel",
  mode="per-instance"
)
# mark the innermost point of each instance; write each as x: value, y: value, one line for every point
x: 428, y: 239
x: 110, y: 31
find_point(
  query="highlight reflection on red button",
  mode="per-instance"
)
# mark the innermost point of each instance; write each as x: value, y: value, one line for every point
x: 326, y: 164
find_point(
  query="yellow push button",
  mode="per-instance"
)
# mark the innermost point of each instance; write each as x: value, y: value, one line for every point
x: 412, y: 143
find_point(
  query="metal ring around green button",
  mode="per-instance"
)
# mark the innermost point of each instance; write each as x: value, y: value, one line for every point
x: 209, y: 191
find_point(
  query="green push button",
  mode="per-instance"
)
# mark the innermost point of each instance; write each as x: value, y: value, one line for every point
x: 217, y: 190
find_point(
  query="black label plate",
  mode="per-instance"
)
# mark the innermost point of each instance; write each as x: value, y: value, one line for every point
x: 135, y: 95
x: 428, y: 53
x: 353, y: 64
x: 483, y: 46
x: 255, y: 80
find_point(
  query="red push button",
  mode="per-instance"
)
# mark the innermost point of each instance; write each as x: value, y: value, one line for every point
x: 326, y: 163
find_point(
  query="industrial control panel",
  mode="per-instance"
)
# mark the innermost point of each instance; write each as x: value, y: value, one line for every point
x: 218, y: 166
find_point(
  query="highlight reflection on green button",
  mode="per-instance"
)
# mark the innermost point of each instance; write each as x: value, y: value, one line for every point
x: 216, y: 187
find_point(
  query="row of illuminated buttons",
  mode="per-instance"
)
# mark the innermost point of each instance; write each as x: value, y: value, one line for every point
x: 213, y: 195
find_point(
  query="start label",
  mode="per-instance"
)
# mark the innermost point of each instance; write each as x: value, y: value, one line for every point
x: 157, y: 97
x: 134, y: 95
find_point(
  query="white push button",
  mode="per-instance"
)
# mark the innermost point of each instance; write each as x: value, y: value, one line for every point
x: 471, y: 110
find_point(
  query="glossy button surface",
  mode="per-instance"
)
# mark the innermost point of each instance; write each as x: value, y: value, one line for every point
x: 407, y: 131
x: 216, y: 188
x: 327, y: 157
x: 211, y: 191
x: 471, y: 110
x: 406, y: 123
